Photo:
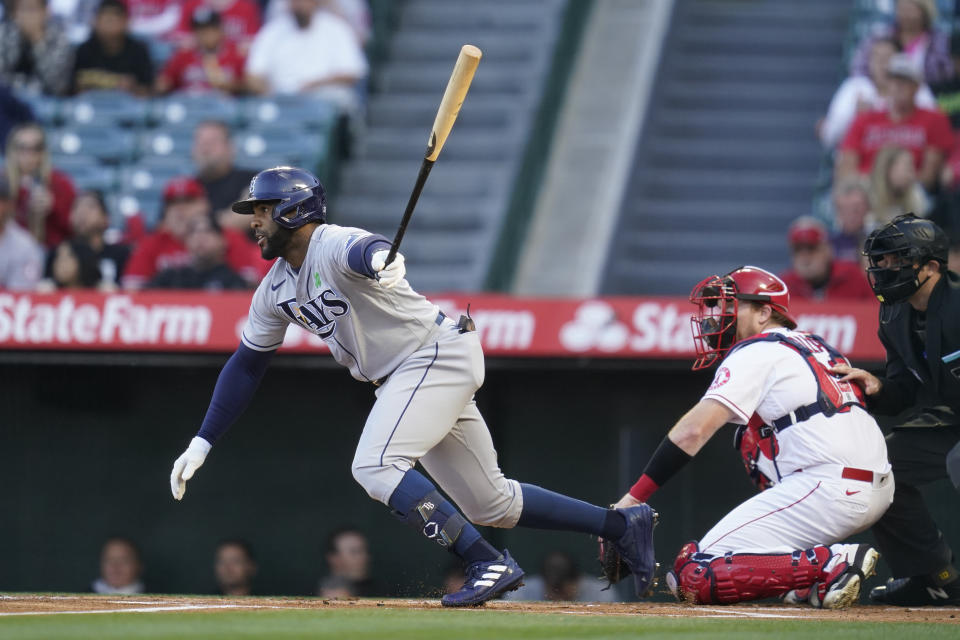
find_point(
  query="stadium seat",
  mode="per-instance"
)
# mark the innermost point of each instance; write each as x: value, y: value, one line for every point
x: 294, y: 111
x: 168, y: 142
x: 123, y: 206
x: 87, y: 173
x: 104, y: 108
x: 46, y: 109
x: 287, y: 146
x: 147, y: 178
x: 186, y: 110
x: 107, y: 144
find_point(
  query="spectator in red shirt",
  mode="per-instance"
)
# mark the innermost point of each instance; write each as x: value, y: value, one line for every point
x: 44, y: 195
x: 212, y: 63
x: 925, y: 133
x: 241, y: 20
x: 816, y: 275
x: 185, y: 201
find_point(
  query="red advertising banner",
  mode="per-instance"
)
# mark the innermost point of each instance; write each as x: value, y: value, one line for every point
x: 620, y: 327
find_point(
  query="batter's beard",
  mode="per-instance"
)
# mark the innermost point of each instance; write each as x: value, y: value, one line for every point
x: 276, y: 243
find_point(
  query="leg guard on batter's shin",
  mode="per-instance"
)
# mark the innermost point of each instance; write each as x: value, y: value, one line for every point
x: 703, y: 578
x: 441, y: 525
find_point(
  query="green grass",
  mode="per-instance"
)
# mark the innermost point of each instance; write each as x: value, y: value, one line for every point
x: 400, y: 624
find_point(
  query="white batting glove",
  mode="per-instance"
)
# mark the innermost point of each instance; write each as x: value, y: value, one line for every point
x: 390, y: 275
x: 186, y: 465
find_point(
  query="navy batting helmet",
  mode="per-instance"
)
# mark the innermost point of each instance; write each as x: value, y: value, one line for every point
x: 298, y: 194
x: 895, y: 248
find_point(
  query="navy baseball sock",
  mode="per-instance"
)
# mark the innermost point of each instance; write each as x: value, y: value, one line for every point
x: 417, y: 502
x: 543, y: 509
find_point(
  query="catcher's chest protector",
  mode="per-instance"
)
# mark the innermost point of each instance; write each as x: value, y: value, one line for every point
x: 757, y: 438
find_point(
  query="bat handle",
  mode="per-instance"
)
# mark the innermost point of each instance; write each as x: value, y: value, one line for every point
x: 411, y: 205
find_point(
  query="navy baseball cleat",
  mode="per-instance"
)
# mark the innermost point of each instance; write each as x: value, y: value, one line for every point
x: 485, y: 581
x: 636, y: 546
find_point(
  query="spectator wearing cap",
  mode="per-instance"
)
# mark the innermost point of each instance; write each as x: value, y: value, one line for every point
x: 213, y: 156
x: 207, y: 268
x: 914, y: 29
x: 44, y: 195
x: 816, y: 274
x: 240, y: 20
x: 851, y: 212
x: 925, y: 133
x: 111, y: 58
x: 870, y: 92
x: 35, y: 53
x: 337, y: 62
x: 185, y: 201
x: 211, y: 63
x: 21, y: 258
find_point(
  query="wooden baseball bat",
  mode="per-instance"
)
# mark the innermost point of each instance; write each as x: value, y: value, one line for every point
x: 453, y: 96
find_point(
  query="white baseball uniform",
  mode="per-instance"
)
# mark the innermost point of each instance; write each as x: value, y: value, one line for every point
x: 813, y: 499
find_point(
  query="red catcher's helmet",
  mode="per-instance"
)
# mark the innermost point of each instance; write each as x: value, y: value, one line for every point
x: 714, y: 324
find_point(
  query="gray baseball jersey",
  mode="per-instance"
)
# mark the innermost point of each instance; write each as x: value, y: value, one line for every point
x: 369, y: 330
x: 425, y: 409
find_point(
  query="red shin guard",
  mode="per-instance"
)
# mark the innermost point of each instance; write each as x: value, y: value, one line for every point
x: 702, y: 578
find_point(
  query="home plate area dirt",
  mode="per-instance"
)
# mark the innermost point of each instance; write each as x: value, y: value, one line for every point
x: 33, y: 604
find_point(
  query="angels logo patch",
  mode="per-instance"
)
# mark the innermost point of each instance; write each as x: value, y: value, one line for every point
x: 722, y: 377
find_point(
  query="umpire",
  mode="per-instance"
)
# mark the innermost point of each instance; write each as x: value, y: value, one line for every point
x: 920, y: 329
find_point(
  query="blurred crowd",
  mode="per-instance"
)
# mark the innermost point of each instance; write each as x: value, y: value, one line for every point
x: 348, y: 573
x: 890, y: 132
x: 54, y: 235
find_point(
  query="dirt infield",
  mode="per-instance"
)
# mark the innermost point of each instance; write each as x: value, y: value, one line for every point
x: 32, y: 604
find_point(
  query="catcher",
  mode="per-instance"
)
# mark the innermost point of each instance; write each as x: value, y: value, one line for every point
x: 806, y: 440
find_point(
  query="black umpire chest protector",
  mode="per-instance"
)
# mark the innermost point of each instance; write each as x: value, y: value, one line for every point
x: 936, y: 369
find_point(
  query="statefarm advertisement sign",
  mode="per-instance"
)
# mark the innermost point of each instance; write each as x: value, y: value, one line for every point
x: 614, y: 327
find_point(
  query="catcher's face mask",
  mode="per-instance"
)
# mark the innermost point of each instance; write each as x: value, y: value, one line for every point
x: 714, y: 324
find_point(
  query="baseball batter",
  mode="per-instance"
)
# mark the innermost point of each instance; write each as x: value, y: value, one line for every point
x: 805, y: 438
x: 333, y: 282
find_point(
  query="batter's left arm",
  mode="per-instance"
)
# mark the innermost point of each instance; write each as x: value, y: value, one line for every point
x: 235, y: 387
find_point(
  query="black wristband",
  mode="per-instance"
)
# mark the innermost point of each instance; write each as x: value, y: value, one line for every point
x: 666, y: 461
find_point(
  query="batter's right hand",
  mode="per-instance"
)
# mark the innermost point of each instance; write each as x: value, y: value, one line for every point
x: 871, y: 384
x: 186, y: 465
